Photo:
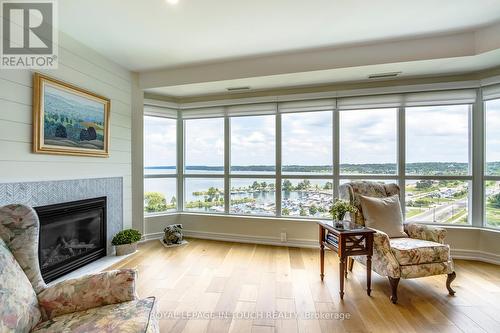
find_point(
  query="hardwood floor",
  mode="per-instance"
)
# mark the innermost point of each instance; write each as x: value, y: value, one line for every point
x: 206, y: 277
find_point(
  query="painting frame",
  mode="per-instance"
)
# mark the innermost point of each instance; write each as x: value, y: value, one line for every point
x: 40, y: 83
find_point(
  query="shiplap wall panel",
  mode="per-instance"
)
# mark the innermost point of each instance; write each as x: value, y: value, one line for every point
x: 15, y: 112
x: 75, y: 77
x: 94, y: 58
x: 87, y: 69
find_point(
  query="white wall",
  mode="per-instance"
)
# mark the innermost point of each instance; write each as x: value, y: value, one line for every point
x: 82, y: 67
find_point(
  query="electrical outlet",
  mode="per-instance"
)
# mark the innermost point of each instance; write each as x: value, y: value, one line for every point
x: 283, y: 236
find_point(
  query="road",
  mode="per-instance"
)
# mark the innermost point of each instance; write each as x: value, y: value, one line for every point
x: 440, y: 213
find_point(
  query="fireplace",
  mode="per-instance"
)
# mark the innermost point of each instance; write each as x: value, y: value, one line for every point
x: 72, y: 234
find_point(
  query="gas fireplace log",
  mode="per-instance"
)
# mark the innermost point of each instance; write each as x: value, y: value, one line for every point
x: 81, y: 246
x: 55, y: 251
x: 67, y: 246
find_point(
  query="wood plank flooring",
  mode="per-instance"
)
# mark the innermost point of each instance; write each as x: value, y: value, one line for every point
x: 241, y: 285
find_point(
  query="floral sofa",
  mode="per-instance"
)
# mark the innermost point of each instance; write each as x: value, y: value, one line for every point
x: 422, y: 253
x: 104, y: 302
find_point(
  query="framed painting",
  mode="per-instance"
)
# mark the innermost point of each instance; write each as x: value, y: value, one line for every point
x: 68, y: 120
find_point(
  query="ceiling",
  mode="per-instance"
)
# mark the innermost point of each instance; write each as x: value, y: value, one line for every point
x: 151, y: 35
x: 322, y: 77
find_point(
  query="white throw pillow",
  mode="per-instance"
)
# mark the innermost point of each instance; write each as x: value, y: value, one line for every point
x: 383, y: 214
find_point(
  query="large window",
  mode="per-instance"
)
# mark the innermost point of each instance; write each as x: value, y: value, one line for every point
x: 368, y: 141
x: 253, y: 142
x: 160, y: 138
x: 306, y: 154
x: 253, y: 196
x: 492, y: 115
x: 438, y: 145
x: 160, y: 195
x: 204, y: 195
x: 437, y: 201
x: 204, y: 146
x: 307, y: 143
x: 437, y: 140
x: 287, y: 159
x: 492, y: 167
x: 307, y: 197
x: 253, y: 154
x: 160, y: 185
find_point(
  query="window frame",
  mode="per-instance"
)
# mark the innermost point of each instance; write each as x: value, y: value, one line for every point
x: 403, y: 176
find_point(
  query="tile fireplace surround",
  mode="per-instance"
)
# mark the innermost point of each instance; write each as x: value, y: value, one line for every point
x: 52, y: 192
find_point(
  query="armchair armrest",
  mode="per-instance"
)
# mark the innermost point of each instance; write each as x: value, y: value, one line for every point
x: 383, y: 261
x: 425, y: 232
x: 88, y: 292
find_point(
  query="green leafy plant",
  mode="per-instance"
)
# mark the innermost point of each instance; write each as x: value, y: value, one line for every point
x: 127, y: 236
x: 340, y: 208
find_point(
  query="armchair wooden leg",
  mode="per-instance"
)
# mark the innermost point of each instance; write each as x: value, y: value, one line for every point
x: 450, y: 279
x: 394, y: 289
x: 351, y: 263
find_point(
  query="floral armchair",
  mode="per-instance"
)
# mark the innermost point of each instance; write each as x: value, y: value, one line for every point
x: 103, y: 302
x: 422, y: 253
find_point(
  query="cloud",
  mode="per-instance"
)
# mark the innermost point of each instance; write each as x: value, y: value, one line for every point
x: 437, y: 134
x: 160, y: 137
x: 368, y: 136
x: 204, y: 142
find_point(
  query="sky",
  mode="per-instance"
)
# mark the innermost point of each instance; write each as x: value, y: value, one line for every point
x: 492, y: 110
x: 368, y: 136
x: 437, y: 134
x: 433, y: 134
x: 159, y: 141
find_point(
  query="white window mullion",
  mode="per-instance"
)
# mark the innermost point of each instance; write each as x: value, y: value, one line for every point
x: 180, y: 162
x: 278, y: 182
x: 476, y: 196
x: 227, y: 162
x: 336, y: 152
x: 401, y: 167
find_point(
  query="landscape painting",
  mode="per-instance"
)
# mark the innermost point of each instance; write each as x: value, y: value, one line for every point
x: 69, y: 120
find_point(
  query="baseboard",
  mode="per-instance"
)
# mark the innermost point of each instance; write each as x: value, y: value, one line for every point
x: 487, y: 257
x: 306, y: 243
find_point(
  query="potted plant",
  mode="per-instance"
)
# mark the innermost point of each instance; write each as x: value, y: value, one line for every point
x: 126, y: 241
x: 340, y: 208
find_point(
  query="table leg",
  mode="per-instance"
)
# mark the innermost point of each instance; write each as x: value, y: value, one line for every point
x: 322, y: 252
x: 346, y: 265
x: 368, y: 274
x: 341, y: 275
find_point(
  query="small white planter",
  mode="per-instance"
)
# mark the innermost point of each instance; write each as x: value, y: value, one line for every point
x: 125, y: 249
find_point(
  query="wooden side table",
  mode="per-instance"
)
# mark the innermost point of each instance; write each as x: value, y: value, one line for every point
x: 351, y: 240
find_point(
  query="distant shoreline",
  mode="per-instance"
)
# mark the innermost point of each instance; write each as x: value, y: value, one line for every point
x: 434, y: 168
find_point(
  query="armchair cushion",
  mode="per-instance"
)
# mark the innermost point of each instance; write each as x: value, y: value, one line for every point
x: 88, y: 292
x: 128, y: 317
x: 410, y: 251
x: 435, y: 268
x: 352, y: 190
x: 383, y: 214
x: 383, y: 260
x: 19, y: 311
x: 426, y: 232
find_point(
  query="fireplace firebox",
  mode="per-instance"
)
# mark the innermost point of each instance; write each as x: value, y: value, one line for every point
x: 72, y: 234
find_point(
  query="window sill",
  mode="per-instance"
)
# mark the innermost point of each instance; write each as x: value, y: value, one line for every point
x: 222, y: 215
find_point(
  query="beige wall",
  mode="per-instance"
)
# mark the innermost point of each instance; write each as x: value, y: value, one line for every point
x: 489, y: 241
x: 466, y: 242
x: 82, y: 67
